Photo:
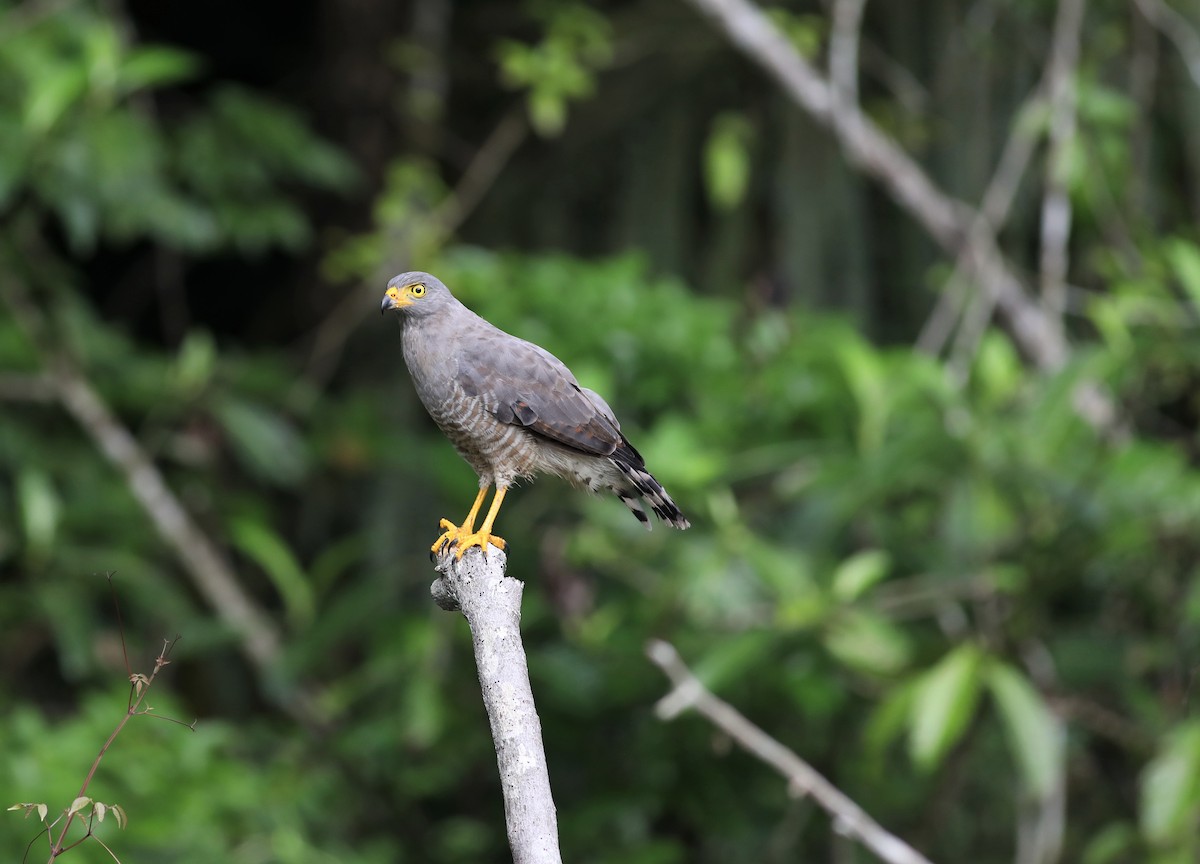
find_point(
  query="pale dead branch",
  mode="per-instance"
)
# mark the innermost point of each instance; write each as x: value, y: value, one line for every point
x: 849, y: 819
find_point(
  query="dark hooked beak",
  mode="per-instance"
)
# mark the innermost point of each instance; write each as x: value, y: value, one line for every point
x: 388, y: 304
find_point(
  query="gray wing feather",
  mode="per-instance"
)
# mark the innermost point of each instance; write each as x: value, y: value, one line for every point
x: 522, y: 384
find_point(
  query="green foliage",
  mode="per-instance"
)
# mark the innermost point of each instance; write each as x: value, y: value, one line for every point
x: 75, y: 139
x: 805, y: 32
x: 174, y: 785
x: 934, y: 591
x: 1035, y: 735
x: 883, y: 543
x: 942, y: 705
x: 727, y: 160
x: 561, y: 67
x: 1171, y: 795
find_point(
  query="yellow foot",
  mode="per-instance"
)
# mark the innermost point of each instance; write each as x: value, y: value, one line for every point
x: 450, y: 535
x: 454, y: 535
x: 478, y: 538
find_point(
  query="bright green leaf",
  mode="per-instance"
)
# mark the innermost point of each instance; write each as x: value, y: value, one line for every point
x: 1184, y: 258
x: 858, y: 573
x: 727, y: 160
x: 943, y: 704
x: 864, y: 371
x: 196, y: 362
x: 998, y: 368
x: 52, y: 94
x: 868, y: 642
x: 1035, y: 735
x: 1171, y: 787
x: 40, y: 508
x: 547, y: 112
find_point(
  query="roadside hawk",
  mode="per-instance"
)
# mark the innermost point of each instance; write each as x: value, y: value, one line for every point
x: 512, y: 410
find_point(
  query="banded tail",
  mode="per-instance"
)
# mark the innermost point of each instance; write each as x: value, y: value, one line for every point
x: 643, y: 487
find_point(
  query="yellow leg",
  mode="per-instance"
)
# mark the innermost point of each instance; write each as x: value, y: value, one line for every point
x: 452, y: 532
x: 484, y: 535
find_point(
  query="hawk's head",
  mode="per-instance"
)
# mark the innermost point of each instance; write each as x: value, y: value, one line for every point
x: 415, y: 295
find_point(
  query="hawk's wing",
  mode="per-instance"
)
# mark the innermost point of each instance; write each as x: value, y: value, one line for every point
x: 523, y: 384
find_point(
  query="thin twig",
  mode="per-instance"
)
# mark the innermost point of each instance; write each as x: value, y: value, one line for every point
x: 803, y: 779
x: 905, y: 87
x: 211, y: 574
x: 1143, y: 75
x: 944, y: 218
x: 200, y: 557
x: 843, y: 49
x: 1178, y: 30
x: 112, y: 589
x: 480, y: 174
x: 483, y: 170
x: 991, y: 216
x: 1056, y: 200
x: 866, y: 145
x: 57, y: 847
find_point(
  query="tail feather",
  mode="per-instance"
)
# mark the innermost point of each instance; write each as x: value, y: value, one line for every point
x: 635, y: 506
x: 649, y: 490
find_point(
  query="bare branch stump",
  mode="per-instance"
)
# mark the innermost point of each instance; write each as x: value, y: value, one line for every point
x: 491, y: 603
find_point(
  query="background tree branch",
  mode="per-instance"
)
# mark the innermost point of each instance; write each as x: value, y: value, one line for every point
x: 868, y: 147
x: 211, y: 574
x: 803, y: 779
x: 947, y: 220
x: 491, y: 603
x: 1056, y: 200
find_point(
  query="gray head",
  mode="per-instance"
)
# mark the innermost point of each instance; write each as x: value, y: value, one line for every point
x: 417, y: 295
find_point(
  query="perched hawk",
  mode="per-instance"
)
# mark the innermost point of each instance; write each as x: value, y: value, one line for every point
x: 512, y: 410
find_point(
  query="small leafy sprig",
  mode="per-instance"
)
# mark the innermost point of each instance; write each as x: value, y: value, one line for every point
x: 84, y: 807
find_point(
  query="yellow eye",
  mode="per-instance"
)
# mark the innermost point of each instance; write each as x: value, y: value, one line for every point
x: 417, y: 290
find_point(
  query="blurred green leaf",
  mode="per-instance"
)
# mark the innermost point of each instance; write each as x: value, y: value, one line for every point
x: 266, y: 443
x: 858, y: 573
x: 733, y: 658
x: 727, y: 160
x: 805, y: 32
x: 1035, y: 736
x: 195, y: 363
x: 864, y: 373
x: 1170, y: 800
x: 275, y: 557
x: 889, y: 719
x: 41, y: 509
x: 156, y: 66
x: 1184, y: 258
x: 52, y: 95
x: 868, y: 642
x: 1114, y: 843
x: 560, y: 68
x: 943, y: 704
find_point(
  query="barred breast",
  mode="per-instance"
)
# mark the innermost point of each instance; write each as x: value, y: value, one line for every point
x: 498, y: 452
